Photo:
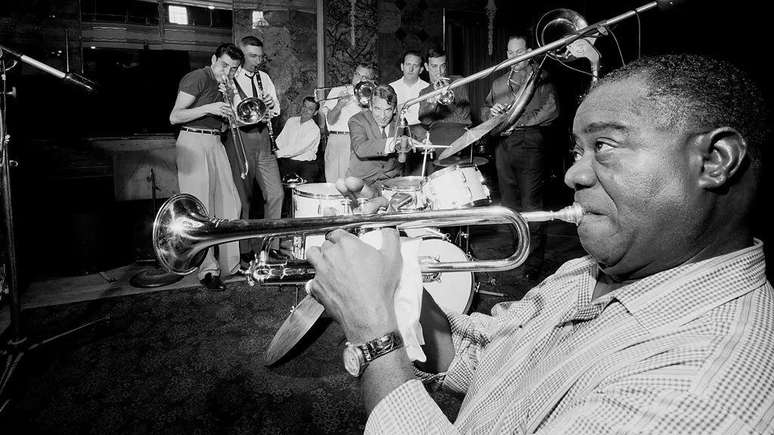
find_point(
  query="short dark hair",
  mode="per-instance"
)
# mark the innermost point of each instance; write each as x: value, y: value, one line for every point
x: 311, y: 99
x: 251, y: 40
x: 387, y: 93
x: 411, y: 53
x: 434, y: 52
x: 231, y: 50
x: 703, y: 93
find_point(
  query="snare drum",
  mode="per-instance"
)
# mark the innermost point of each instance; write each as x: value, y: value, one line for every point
x: 316, y: 199
x: 452, y: 291
x: 411, y: 186
x: 455, y: 187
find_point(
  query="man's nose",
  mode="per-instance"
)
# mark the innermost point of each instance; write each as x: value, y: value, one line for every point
x: 581, y: 174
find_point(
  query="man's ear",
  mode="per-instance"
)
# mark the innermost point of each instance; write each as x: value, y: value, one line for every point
x: 723, y: 153
x: 214, y: 59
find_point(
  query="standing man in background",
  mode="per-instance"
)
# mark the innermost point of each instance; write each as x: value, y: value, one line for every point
x: 263, y: 167
x: 445, y: 122
x: 297, y: 143
x: 521, y: 152
x: 202, y: 166
x: 337, y: 114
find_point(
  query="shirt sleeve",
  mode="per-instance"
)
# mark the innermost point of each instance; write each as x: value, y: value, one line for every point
x: 268, y: 87
x: 193, y: 83
x: 643, y: 410
x: 408, y: 409
x: 362, y: 144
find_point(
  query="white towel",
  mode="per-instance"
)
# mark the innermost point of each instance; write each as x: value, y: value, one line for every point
x: 408, y: 295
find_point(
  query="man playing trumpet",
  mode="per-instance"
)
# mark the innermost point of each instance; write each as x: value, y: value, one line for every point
x: 342, y: 104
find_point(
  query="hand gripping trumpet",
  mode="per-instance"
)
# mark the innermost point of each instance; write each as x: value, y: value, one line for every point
x: 182, y: 233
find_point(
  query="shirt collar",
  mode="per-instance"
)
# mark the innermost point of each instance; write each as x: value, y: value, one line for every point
x: 683, y: 293
x: 677, y: 295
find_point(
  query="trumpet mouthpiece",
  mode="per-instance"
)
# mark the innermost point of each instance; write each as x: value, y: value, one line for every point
x: 572, y: 214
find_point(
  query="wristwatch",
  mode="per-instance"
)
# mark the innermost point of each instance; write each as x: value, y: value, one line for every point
x: 358, y: 356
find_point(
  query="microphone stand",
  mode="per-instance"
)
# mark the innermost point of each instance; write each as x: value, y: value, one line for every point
x: 18, y: 344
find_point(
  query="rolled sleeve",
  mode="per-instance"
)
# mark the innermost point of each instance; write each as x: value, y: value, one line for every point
x: 408, y: 409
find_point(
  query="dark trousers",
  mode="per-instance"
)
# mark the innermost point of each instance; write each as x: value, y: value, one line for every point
x: 521, y: 173
x: 306, y: 169
x: 262, y: 169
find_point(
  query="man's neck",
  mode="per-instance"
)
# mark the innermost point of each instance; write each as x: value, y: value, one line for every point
x: 410, y: 81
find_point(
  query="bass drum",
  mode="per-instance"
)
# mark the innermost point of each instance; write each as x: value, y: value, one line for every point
x: 452, y: 291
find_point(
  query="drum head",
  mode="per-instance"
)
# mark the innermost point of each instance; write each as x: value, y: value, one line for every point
x: 452, y: 291
x: 317, y: 190
x: 409, y: 184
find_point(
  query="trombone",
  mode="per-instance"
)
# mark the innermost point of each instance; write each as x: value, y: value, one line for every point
x: 575, y: 34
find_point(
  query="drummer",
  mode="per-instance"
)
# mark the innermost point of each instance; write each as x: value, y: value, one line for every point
x: 374, y: 143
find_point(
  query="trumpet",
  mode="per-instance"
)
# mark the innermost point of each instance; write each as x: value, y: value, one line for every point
x: 446, y: 96
x: 362, y: 91
x: 182, y: 233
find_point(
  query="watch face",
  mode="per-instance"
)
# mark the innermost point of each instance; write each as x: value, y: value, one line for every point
x: 352, y: 360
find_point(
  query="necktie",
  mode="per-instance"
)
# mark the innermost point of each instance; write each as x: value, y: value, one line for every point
x: 252, y: 83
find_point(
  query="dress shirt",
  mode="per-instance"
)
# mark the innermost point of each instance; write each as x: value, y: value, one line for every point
x: 686, y: 350
x: 406, y: 92
x: 244, y: 78
x: 298, y: 141
x: 347, y: 111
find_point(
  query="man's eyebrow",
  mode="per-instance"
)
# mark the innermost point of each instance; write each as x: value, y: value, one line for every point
x: 596, y: 127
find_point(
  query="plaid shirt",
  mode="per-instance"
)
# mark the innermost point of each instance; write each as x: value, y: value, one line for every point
x: 687, y: 350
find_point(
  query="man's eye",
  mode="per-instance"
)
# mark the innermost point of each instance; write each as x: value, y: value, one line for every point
x: 601, y: 146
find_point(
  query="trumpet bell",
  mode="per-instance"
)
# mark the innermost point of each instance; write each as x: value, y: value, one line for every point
x: 447, y: 97
x: 364, y: 90
x: 250, y: 110
x: 172, y: 229
x: 556, y: 24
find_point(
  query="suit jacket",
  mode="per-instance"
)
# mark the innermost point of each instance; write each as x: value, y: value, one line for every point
x: 542, y: 108
x: 367, y: 159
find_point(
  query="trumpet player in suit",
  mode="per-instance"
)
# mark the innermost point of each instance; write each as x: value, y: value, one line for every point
x: 340, y: 106
x: 258, y: 142
x: 203, y: 169
x: 445, y: 116
x: 376, y: 149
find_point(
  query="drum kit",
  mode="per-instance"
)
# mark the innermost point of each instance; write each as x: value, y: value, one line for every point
x: 458, y: 185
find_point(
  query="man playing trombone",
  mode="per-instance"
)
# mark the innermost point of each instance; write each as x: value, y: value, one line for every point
x: 520, y: 154
x: 202, y: 166
x: 340, y: 106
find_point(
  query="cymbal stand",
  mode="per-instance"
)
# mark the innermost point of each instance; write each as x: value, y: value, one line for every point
x: 18, y: 344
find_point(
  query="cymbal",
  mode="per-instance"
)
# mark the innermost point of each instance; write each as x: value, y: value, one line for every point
x: 471, y: 135
x: 457, y: 160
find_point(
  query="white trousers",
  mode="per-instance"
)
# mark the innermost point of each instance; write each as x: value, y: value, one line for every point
x: 336, y: 157
x: 203, y: 171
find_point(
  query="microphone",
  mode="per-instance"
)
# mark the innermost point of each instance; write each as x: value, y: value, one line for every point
x: 668, y: 4
x: 76, y: 79
x: 402, y: 146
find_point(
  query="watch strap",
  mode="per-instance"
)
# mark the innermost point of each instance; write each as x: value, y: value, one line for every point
x: 381, y: 346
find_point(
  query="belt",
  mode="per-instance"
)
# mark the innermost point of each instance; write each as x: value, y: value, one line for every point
x: 338, y: 132
x: 202, y: 130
